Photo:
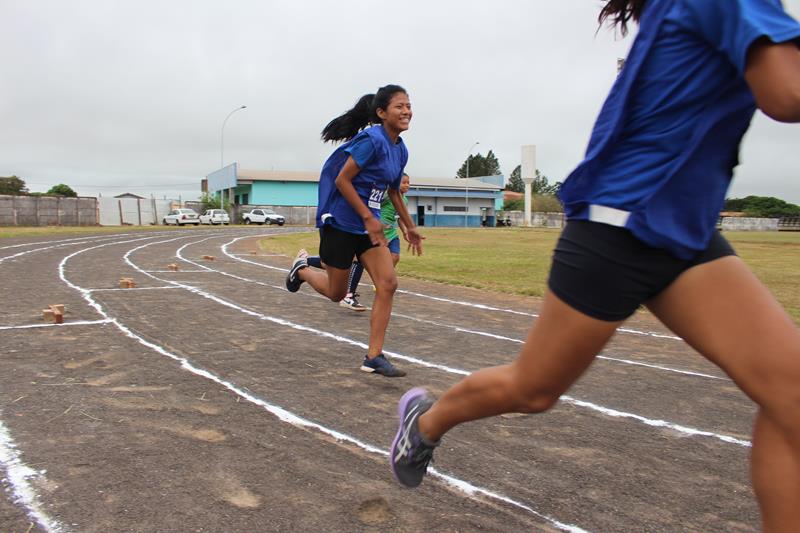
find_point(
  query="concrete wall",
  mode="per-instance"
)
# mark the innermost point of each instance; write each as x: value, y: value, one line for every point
x: 47, y: 211
x: 749, y: 224
x: 538, y: 220
x: 132, y: 211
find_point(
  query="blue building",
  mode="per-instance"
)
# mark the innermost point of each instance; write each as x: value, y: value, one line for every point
x: 470, y: 202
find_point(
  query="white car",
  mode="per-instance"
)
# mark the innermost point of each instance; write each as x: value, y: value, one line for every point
x: 263, y: 216
x: 215, y: 216
x: 179, y: 217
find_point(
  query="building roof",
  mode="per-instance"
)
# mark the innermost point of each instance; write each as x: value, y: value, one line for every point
x: 276, y: 175
x: 245, y: 176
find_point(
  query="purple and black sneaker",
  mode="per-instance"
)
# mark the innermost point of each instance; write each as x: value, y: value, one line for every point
x: 411, y: 451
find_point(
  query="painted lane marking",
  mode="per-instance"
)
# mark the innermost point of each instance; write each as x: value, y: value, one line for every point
x: 283, y: 414
x: 129, y: 290
x: 76, y: 323
x: 456, y: 328
x: 608, y: 358
x: 455, y: 302
x: 421, y: 362
x: 18, y: 476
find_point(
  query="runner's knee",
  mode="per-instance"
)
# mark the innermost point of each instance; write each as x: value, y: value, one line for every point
x: 532, y: 399
x: 386, y: 286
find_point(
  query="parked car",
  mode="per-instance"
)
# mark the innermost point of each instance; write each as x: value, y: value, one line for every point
x: 179, y: 217
x: 215, y: 216
x: 263, y: 216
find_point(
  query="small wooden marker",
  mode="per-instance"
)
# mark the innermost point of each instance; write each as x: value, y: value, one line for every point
x: 127, y: 283
x: 54, y: 313
x: 173, y: 267
x: 208, y: 257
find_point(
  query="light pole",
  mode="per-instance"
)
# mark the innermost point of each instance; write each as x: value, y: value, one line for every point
x: 221, y: 152
x: 466, y: 196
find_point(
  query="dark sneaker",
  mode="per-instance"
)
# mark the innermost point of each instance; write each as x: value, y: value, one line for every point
x: 381, y: 365
x: 411, y: 452
x: 293, y: 282
x: 351, y: 302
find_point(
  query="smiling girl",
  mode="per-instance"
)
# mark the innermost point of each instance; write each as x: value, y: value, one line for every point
x: 352, y: 185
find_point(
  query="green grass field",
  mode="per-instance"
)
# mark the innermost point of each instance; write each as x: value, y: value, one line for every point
x: 516, y: 260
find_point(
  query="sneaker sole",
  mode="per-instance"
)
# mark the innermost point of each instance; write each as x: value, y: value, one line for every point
x: 402, y: 407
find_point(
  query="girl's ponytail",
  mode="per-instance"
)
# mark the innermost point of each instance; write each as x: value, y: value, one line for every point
x: 362, y: 114
x: 349, y: 124
x: 620, y: 12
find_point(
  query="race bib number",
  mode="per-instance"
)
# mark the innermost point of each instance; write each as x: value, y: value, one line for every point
x: 375, y: 198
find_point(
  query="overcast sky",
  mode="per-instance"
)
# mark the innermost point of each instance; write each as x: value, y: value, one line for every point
x: 130, y: 96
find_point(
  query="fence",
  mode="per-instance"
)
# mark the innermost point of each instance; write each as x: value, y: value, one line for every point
x: 132, y: 211
x: 47, y: 211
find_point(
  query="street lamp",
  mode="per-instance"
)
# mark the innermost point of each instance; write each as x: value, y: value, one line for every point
x: 221, y: 152
x: 466, y: 196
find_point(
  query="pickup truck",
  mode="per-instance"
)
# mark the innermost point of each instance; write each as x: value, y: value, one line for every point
x: 263, y: 216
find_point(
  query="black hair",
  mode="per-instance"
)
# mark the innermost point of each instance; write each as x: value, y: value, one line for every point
x: 620, y: 12
x: 362, y: 114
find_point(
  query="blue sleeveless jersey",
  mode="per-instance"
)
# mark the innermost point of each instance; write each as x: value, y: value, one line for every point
x: 381, y: 164
x: 663, y: 149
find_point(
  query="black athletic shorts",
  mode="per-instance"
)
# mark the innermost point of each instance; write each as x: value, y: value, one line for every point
x: 337, y: 247
x: 605, y: 272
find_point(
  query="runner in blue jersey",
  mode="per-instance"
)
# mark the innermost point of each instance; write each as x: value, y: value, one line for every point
x: 642, y: 209
x: 352, y: 184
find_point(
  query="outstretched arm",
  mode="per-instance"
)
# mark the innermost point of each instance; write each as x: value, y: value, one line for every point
x: 773, y: 74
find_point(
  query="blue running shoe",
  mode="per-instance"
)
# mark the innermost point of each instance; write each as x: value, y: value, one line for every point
x: 293, y: 282
x: 411, y: 452
x: 381, y: 365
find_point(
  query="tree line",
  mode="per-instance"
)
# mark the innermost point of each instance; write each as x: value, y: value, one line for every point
x: 545, y: 193
x: 15, y: 186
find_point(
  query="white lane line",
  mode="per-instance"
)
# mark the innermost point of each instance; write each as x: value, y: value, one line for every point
x: 177, y: 271
x: 89, y: 238
x: 65, y: 324
x: 450, y: 326
x: 607, y: 358
x: 133, y: 289
x: 454, y: 302
x: 44, y: 248
x: 567, y: 399
x: 281, y: 413
x: 18, y: 475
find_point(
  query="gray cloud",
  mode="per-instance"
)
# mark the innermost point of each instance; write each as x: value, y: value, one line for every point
x: 110, y: 96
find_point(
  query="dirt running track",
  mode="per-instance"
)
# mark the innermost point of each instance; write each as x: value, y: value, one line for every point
x: 211, y: 399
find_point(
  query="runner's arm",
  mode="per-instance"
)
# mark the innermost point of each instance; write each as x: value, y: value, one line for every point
x: 344, y: 182
x: 411, y: 234
x: 773, y: 74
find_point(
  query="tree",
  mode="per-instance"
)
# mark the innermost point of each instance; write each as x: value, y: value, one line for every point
x: 540, y: 184
x: 515, y: 183
x: 210, y: 201
x: 762, y: 207
x: 480, y: 166
x: 13, y: 185
x: 62, y: 190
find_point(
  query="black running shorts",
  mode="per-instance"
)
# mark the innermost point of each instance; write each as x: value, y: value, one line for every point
x: 605, y: 272
x: 337, y: 247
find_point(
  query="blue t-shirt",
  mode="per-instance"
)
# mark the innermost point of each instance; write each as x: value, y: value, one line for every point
x: 381, y: 163
x: 664, y: 147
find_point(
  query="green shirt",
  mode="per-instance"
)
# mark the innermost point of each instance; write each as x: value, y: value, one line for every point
x: 389, y: 217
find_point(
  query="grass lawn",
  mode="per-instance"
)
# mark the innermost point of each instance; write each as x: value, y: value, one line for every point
x: 516, y: 260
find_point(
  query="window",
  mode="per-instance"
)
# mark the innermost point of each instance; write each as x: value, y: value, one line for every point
x: 430, y: 208
x: 454, y: 209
